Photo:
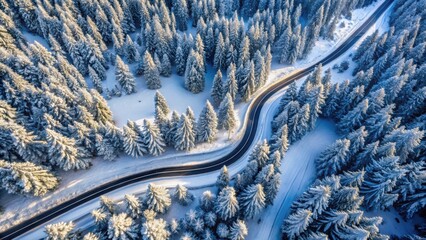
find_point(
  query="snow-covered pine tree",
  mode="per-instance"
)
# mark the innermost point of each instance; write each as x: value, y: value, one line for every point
x: 223, y: 178
x: 96, y: 80
x: 249, y: 87
x: 182, y: 195
x: 161, y: 102
x: 220, y: 52
x: 280, y: 140
x: 315, y: 200
x: 252, y: 200
x: 354, y: 118
x: 60, y: 230
x: 227, y: 204
x: 151, y: 72
x: 171, y: 133
x: 112, y: 142
x: 166, y: 66
x: 180, y: 10
x: 124, y: 77
x: 217, y: 88
x: 334, y: 159
x: 152, y: 138
x: 121, y: 227
x: 157, y: 198
x: 226, y: 116
x: 260, y: 154
x: 63, y: 153
x: 297, y: 223
x: 155, y: 229
x: 289, y: 95
x: 133, y: 206
x: 133, y: 143
x: 194, y: 72
x: 207, y: 201
x: 379, y: 181
x: 231, y: 85
x: 184, y: 139
x: 271, y: 189
x: 207, y: 124
x: 238, y: 230
x: 131, y: 51
x: 26, y: 177
x: 406, y: 140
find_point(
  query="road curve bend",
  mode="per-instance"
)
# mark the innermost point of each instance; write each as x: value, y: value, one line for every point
x: 252, y: 121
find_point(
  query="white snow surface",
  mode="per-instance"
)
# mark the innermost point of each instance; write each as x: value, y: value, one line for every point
x: 141, y: 104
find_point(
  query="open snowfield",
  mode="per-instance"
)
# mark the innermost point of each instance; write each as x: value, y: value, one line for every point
x: 141, y: 105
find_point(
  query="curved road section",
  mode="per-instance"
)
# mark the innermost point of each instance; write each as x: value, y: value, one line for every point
x: 237, y: 153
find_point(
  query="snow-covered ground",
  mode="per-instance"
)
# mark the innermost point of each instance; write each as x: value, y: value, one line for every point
x: 18, y: 208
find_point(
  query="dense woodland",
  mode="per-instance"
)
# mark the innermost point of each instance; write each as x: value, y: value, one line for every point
x: 54, y: 115
x: 379, y: 162
x: 51, y: 121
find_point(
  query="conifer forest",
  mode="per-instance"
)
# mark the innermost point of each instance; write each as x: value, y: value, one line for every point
x: 213, y: 119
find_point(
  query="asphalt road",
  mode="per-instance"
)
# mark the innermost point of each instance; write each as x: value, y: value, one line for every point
x: 252, y: 125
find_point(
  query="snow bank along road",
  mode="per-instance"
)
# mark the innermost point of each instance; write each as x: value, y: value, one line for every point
x: 251, y: 127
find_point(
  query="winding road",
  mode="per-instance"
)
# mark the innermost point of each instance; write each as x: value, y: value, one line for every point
x: 252, y: 121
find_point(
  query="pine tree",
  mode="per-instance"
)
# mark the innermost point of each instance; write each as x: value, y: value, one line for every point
x: 220, y: 53
x: 405, y: 141
x: 194, y: 73
x: 207, y: 201
x: 289, y: 95
x: 157, y: 198
x: 249, y: 86
x: 152, y: 138
x: 161, y: 102
x: 297, y: 223
x: 26, y: 177
x: 217, y: 93
x: 226, y: 116
x: 124, y: 76
x: 133, y: 206
x: 238, y: 230
x: 316, y: 200
x: 280, y: 141
x: 60, y: 230
x: 380, y: 179
x: 166, y: 66
x: 180, y: 61
x: 151, y: 72
x: 131, y: 51
x: 121, y: 226
x: 354, y: 118
x: 223, y: 178
x: 271, y: 189
x: 184, y: 138
x: 334, y: 158
x: 252, y: 200
x: 63, y: 153
x: 180, y: 10
x: 182, y: 195
x: 207, y: 124
x: 133, y: 143
x: 260, y: 153
x: 227, y: 204
x: 155, y: 229
x: 96, y: 80
x: 231, y: 85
